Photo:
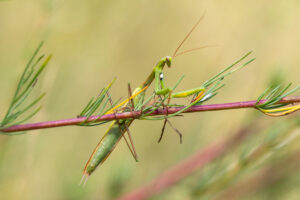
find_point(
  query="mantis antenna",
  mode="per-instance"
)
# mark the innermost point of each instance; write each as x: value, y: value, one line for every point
x: 194, y: 49
x: 187, y: 36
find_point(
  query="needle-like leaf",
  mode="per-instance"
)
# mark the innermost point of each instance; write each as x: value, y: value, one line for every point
x: 25, y: 86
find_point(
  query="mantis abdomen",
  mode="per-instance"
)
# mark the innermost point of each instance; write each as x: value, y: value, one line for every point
x: 106, y: 145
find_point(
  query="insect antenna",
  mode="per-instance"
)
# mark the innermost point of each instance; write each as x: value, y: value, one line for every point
x: 188, y: 35
x: 194, y: 49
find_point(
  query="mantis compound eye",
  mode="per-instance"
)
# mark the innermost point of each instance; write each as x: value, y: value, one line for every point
x: 168, y: 61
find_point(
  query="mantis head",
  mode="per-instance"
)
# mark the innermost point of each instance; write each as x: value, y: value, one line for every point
x: 164, y: 61
x: 168, y: 61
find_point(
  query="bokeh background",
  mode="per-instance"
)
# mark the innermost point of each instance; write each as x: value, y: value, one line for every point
x: 94, y: 41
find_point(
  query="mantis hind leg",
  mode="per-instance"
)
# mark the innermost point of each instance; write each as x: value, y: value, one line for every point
x: 198, y: 91
x: 166, y: 120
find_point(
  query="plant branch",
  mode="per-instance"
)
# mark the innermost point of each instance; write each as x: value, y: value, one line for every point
x: 189, y: 166
x: 137, y: 114
x: 265, y: 178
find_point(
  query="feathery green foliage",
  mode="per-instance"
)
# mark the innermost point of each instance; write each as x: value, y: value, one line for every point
x: 273, y: 95
x: 253, y: 155
x: 95, y: 107
x: 18, y: 106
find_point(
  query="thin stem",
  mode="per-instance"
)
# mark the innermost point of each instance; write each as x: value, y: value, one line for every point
x: 188, y: 166
x: 266, y: 178
x: 137, y: 114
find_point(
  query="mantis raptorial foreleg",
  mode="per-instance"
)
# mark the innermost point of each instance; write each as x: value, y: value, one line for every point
x: 160, y: 89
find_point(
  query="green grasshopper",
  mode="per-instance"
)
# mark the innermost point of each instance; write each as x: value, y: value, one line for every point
x: 118, y: 128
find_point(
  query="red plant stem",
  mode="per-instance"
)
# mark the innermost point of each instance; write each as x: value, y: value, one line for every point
x: 188, y: 166
x: 136, y: 114
x: 276, y: 174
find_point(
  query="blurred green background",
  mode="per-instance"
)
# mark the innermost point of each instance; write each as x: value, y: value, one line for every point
x: 94, y: 41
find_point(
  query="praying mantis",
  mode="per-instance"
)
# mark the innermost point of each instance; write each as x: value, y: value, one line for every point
x: 118, y: 128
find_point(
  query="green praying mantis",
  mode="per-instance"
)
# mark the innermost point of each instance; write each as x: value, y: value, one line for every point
x: 118, y: 128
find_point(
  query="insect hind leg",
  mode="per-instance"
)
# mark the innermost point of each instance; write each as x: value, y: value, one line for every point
x: 168, y: 121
